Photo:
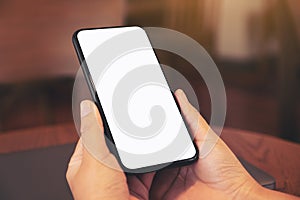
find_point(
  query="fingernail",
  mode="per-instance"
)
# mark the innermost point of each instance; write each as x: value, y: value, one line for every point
x: 183, y: 96
x: 85, y: 108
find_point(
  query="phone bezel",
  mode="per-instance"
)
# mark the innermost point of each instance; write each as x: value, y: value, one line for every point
x: 91, y: 86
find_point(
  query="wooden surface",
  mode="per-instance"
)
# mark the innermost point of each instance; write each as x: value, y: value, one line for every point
x: 275, y: 156
x: 33, y: 138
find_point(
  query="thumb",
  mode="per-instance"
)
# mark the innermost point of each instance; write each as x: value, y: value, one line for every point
x: 92, y: 133
x: 196, y: 123
x: 205, y: 137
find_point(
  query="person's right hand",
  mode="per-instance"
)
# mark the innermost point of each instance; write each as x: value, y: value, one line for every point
x: 217, y: 175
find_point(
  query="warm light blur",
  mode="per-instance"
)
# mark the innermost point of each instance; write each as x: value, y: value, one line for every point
x: 255, y: 44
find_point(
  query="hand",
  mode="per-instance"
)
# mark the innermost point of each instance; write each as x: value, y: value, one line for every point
x: 219, y: 175
x: 89, y: 176
x: 216, y: 175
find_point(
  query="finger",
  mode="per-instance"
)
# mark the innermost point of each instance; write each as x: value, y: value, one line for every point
x: 75, y: 162
x: 137, y: 187
x: 205, y: 137
x: 77, y: 154
x: 147, y: 179
x: 141, y: 180
x: 92, y: 134
x: 163, y: 182
x: 196, y: 123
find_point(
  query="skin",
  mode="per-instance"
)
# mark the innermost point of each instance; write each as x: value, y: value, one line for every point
x: 218, y: 175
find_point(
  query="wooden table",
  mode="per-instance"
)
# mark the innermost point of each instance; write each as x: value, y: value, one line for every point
x: 275, y: 156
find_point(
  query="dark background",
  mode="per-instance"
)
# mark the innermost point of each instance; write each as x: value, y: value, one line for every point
x: 255, y: 45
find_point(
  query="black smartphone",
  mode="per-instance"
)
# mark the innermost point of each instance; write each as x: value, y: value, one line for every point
x: 140, y: 115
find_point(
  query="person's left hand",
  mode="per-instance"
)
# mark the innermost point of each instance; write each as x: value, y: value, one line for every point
x: 89, y: 176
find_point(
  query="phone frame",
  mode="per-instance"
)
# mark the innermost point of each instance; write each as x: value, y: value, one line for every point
x: 93, y: 91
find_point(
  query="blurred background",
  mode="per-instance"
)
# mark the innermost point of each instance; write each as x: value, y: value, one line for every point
x: 255, y: 44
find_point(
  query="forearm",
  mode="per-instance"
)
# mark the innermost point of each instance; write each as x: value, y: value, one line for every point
x: 261, y: 193
x: 271, y: 194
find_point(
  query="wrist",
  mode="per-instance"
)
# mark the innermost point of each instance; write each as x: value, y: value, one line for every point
x: 257, y: 193
x: 251, y: 190
x: 260, y: 193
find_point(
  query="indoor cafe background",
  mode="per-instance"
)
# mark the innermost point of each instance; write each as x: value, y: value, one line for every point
x: 255, y: 45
